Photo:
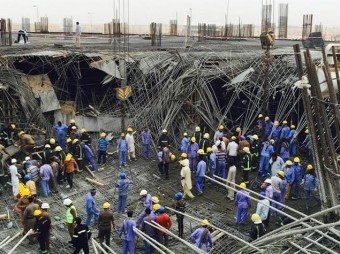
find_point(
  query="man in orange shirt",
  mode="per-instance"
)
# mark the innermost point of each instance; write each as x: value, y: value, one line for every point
x: 69, y: 167
x: 164, y: 220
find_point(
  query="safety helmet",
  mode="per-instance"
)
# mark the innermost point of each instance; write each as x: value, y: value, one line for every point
x: 106, y: 205
x: 164, y: 131
x: 200, y: 151
x: 161, y: 209
x: 206, y: 135
x: 193, y: 139
x: 156, y: 207
x: 284, y: 122
x: 13, y: 161
x: 45, y: 206
x: 68, y: 140
x: 27, y: 158
x: 75, y: 141
x: 255, y: 137
x: 25, y: 192
x: 21, y: 133
x: 238, y: 129
x: 52, y: 141
x: 272, y: 141
x: 281, y: 173
x: 13, y: 126
x: 179, y: 195
x: 218, y: 143
x: 309, y: 167
x: 68, y: 157
x: 73, y: 127
x: 122, y: 175
x: 23, y: 162
x: 292, y: 126
x: 129, y: 129
x: 256, y: 218
x: 182, y: 163
x: 209, y: 149
x: 246, y: 149
x: 173, y: 157
x: 221, y: 127
x: 243, y: 185
x: 267, y: 118
x: 143, y: 193
x: 307, y: 131
x: 269, y: 181
x: 58, y: 149
x: 72, y: 121
x: 155, y: 199
x: 47, y: 146
x: 37, y: 212
x: 184, y: 155
x: 260, y: 116
x: 204, y: 222
x: 297, y: 159
x: 289, y: 163
x: 27, y: 177
x: 103, y: 135
x: 185, y: 134
x: 67, y: 202
x: 276, y: 123
x: 83, y: 130
x: 197, y: 128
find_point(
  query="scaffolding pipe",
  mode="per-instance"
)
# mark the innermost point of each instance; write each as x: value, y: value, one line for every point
x: 94, y: 246
x: 108, y: 248
x: 227, y: 233
x: 2, y: 242
x: 10, y: 240
x: 99, y: 246
x: 163, y: 229
x: 151, y: 241
x: 20, y: 241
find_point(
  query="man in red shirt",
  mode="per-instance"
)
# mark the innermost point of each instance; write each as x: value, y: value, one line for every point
x: 164, y: 220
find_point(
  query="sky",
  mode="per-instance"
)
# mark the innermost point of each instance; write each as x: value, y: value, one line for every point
x: 142, y: 12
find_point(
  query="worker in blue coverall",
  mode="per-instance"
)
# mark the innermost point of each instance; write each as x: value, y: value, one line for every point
x: 211, y: 163
x: 200, y: 172
x: 276, y: 133
x: 122, y: 147
x: 202, y: 237
x: 266, y: 153
x: 61, y: 132
x: 268, y: 126
x: 127, y: 234
x: 242, y: 202
x: 89, y: 157
x: 310, y: 186
x: 192, y: 154
x: 298, y: 172
x: 146, y: 141
x: 123, y: 186
x: 292, y: 142
x: 285, y: 132
x: 91, y: 208
x: 102, y: 147
x: 185, y: 143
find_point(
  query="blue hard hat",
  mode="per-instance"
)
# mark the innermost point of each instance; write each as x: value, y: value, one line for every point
x: 27, y: 177
x: 122, y: 175
x: 179, y: 195
x: 161, y: 210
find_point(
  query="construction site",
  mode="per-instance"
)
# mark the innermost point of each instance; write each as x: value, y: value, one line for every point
x: 211, y: 75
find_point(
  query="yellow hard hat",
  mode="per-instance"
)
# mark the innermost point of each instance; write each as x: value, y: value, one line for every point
x: 292, y: 126
x: 106, y: 205
x: 68, y: 157
x: 260, y: 115
x: 21, y: 133
x: 83, y: 130
x: 289, y: 162
x: 233, y: 138
x: 155, y: 199
x: 221, y: 127
x: 309, y: 167
x: 238, y: 129
x: 68, y: 140
x: 156, y: 207
x: 182, y: 163
x: 297, y: 159
x: 37, y: 212
x: 185, y: 134
x: 23, y: 162
x: 246, y: 149
x: 129, y: 129
x: 204, y: 222
x: 284, y: 122
x: 243, y: 185
x: 58, y: 149
x: 281, y: 173
x: 200, y: 151
x: 103, y: 135
x: 13, y: 126
x: 197, y: 128
x: 52, y: 141
x: 173, y: 157
x: 184, y: 155
x: 276, y: 123
x: 255, y: 137
x: 256, y: 218
x: 25, y: 192
x: 209, y: 150
x: 193, y: 139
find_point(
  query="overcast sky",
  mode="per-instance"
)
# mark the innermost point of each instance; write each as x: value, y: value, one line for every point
x: 161, y: 11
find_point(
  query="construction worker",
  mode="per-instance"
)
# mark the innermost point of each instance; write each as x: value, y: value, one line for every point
x: 164, y: 158
x: 275, y: 163
x: 4, y: 140
x: 127, y: 234
x: 164, y: 140
x: 310, y: 185
x: 255, y: 150
x: 28, y: 216
x: 276, y: 183
x: 276, y: 134
x: 122, y: 148
x: 123, y: 186
x: 243, y: 203
x: 2, y: 172
x: 246, y: 165
x: 290, y: 178
x: 164, y: 220
x: 285, y: 132
x: 89, y: 157
x: 105, y: 223
x: 91, y: 208
x: 131, y: 143
x: 266, y: 153
x: 284, y: 151
x: 46, y: 175
x: 307, y: 142
x: 262, y: 208
x: 298, y: 173
x: 80, y: 239
x: 186, y: 180
x: 192, y: 154
x: 46, y: 215
x: 55, y: 165
x: 30, y: 184
x: 185, y: 143
x: 149, y: 230
x: 180, y: 206
x: 77, y: 153
x: 52, y: 143
x: 242, y: 144
x: 69, y: 128
x: 200, y: 172
x: 221, y: 160
x: 231, y: 178
x: 257, y: 229
x: 232, y: 150
x: 146, y: 142
x: 42, y: 230
x: 260, y: 124
x: 211, y: 163
x: 204, y: 142
x: 146, y: 199
x: 198, y: 134
x: 68, y: 145
x: 202, y: 237
x: 70, y: 166
x: 85, y: 137
x: 219, y: 133
x: 184, y: 157
x: 60, y: 131
x: 75, y: 133
x: 268, y: 126
x: 26, y: 143
x: 14, y: 178
x: 71, y: 214
x: 60, y: 154
x: 102, y: 148
x: 21, y: 205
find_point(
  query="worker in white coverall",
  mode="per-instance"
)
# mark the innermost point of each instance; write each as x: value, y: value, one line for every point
x: 131, y: 144
x: 14, y: 178
x: 186, y: 179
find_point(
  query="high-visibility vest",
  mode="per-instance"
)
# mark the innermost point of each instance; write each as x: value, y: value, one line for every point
x: 69, y: 216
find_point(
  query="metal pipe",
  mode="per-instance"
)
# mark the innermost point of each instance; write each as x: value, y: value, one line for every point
x: 10, y: 240
x: 2, y: 242
x: 99, y: 246
x: 159, y: 227
x: 298, y: 247
x: 109, y: 249
x: 20, y: 241
x: 227, y: 233
x: 94, y: 246
x: 151, y: 241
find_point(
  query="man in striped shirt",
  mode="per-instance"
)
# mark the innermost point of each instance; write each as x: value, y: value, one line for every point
x: 221, y: 161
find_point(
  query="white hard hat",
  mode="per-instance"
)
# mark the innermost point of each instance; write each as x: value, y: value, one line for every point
x: 206, y: 135
x: 67, y: 202
x: 47, y: 146
x: 268, y: 181
x: 143, y: 192
x: 13, y: 161
x: 45, y: 206
x: 27, y: 158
